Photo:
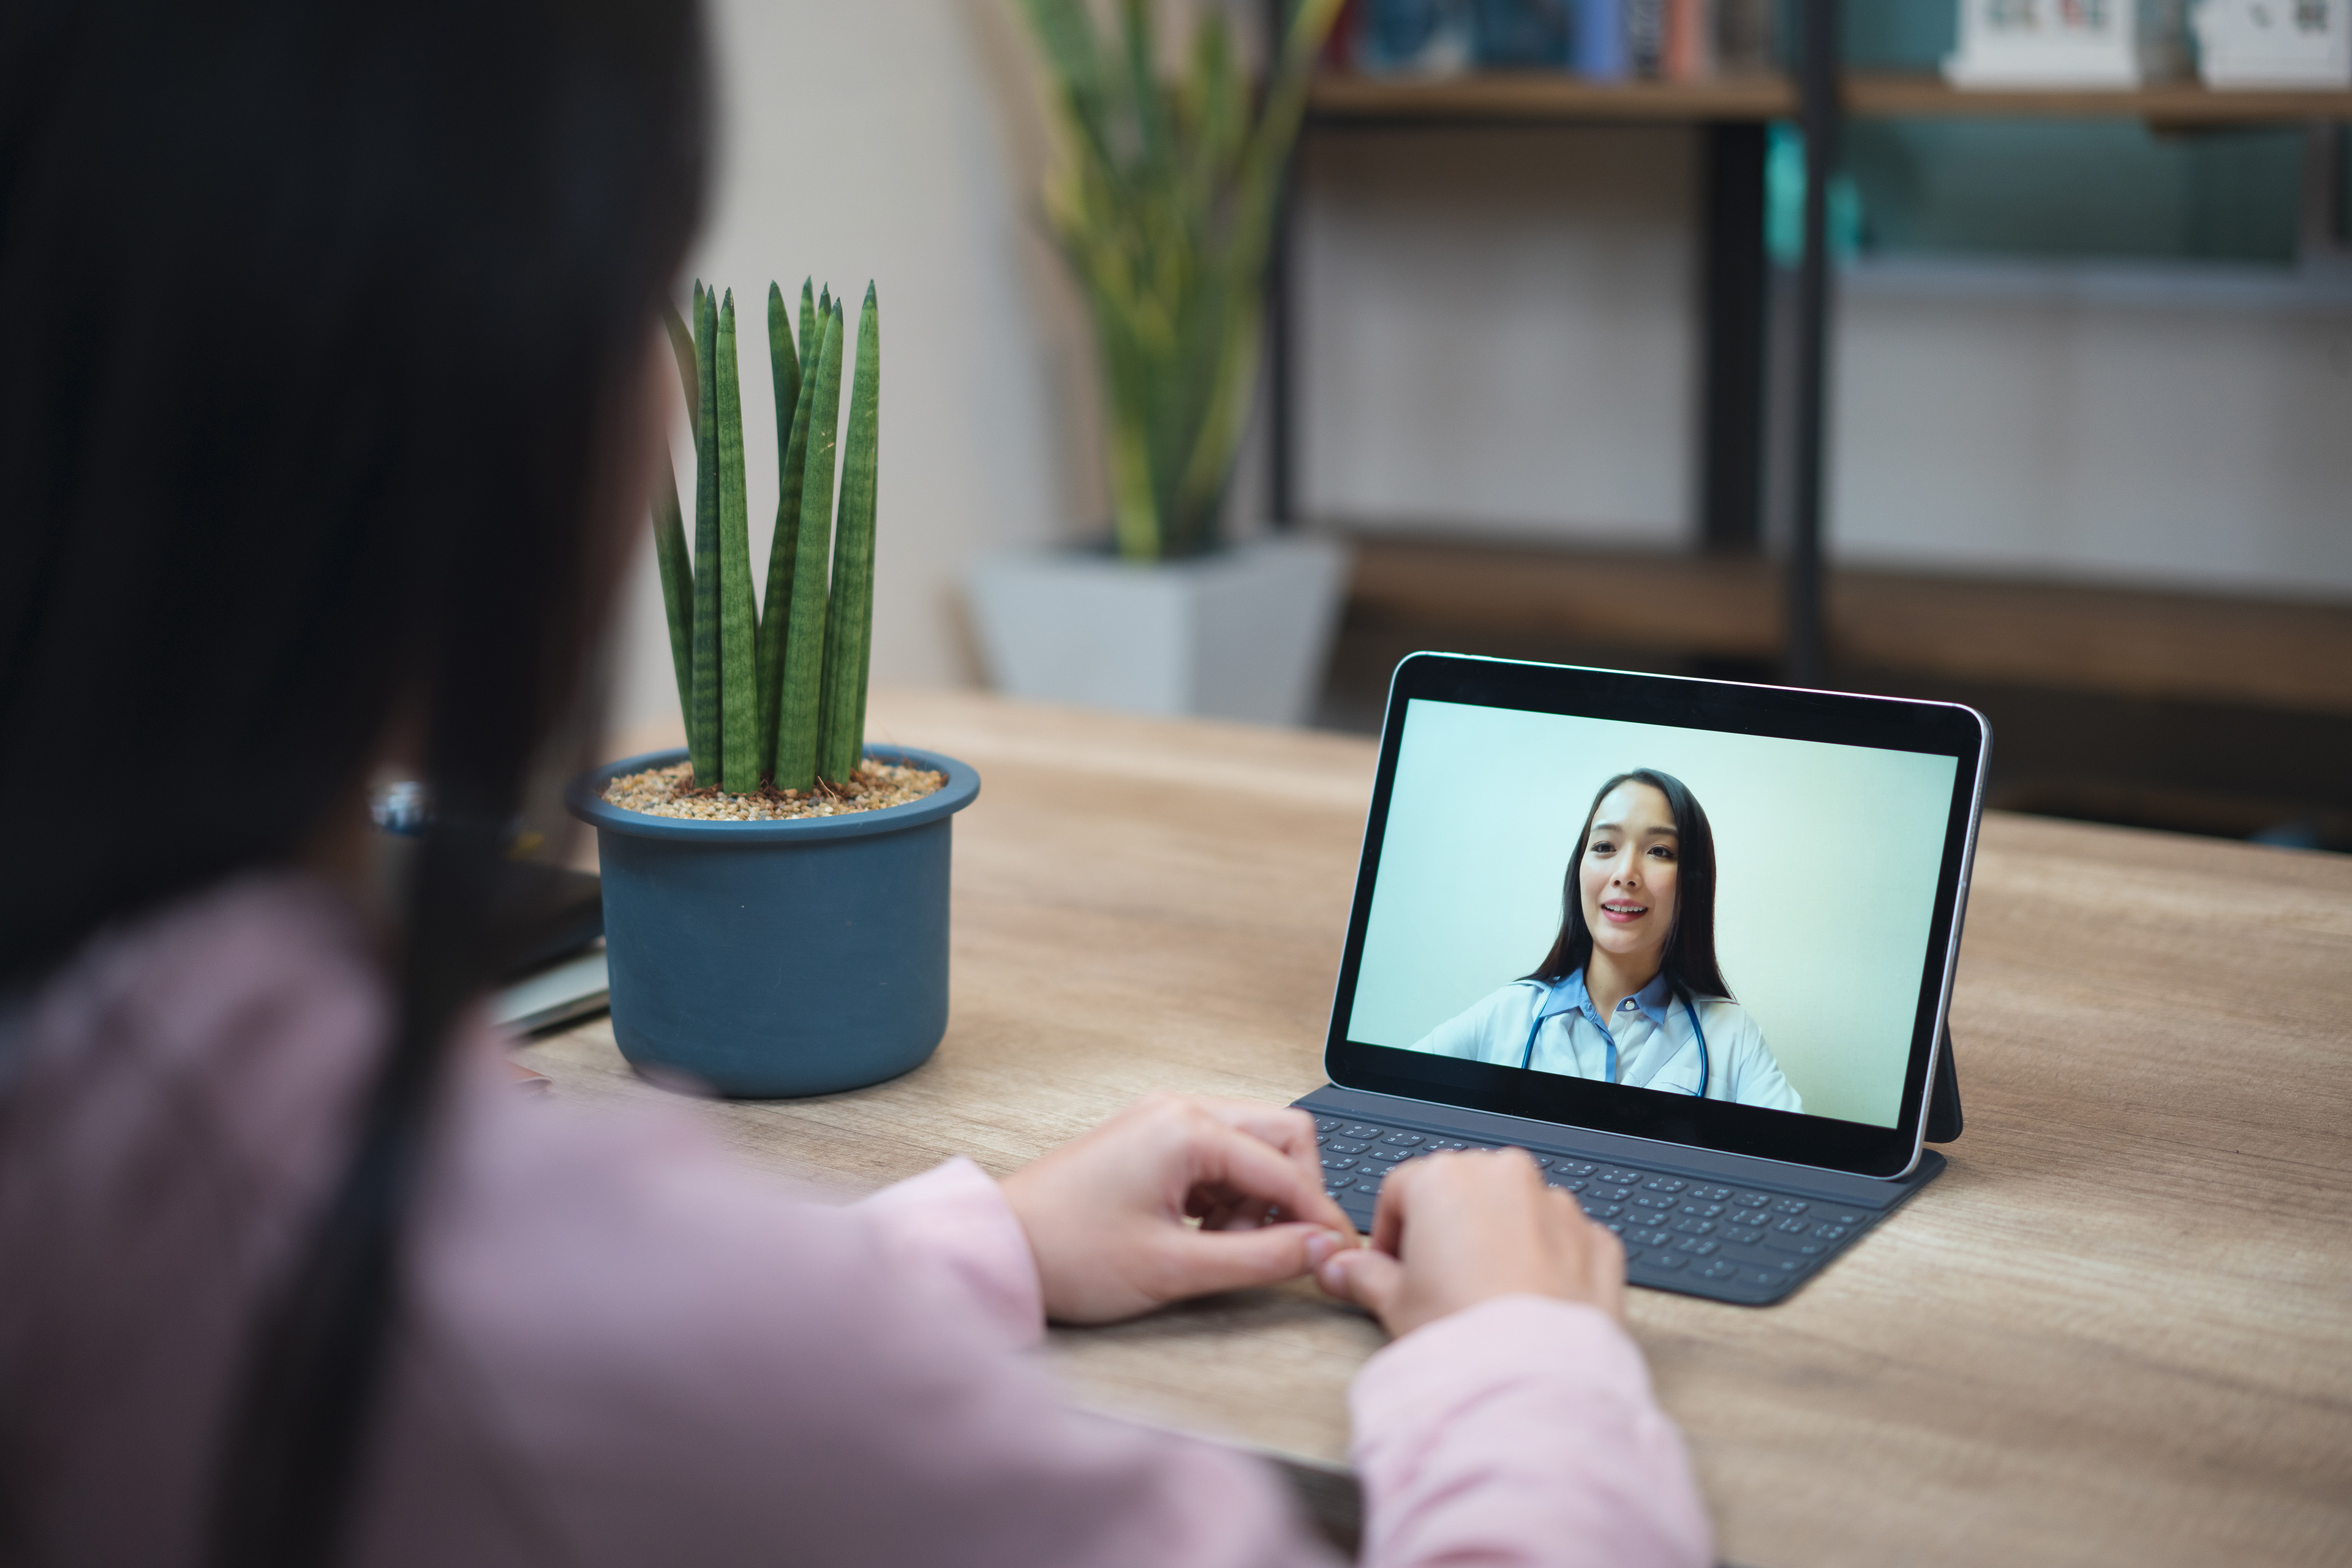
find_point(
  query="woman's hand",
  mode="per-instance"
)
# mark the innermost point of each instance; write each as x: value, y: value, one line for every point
x: 1105, y: 1212
x: 1454, y: 1230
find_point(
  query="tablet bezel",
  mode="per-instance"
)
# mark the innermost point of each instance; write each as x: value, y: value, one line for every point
x: 1940, y: 729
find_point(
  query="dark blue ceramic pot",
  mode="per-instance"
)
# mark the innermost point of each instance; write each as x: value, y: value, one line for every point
x: 764, y: 959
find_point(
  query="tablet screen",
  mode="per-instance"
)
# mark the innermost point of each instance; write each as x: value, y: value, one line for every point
x: 1693, y: 929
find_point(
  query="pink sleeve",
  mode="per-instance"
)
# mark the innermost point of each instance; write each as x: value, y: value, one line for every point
x: 953, y: 1219
x: 1522, y: 1431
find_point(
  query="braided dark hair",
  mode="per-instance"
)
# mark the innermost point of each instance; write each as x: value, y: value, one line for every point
x: 326, y: 327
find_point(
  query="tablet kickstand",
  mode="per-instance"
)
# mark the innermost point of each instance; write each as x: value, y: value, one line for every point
x: 1943, y: 1100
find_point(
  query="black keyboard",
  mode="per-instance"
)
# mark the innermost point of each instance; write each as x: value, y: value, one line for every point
x: 1751, y: 1244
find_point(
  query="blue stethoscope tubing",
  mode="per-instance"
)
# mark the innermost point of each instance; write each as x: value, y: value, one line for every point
x: 1697, y: 1033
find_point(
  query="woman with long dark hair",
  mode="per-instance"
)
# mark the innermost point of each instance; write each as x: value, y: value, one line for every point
x: 330, y: 393
x: 1630, y: 992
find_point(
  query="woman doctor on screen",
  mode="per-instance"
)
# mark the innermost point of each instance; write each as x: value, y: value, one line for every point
x: 1630, y: 991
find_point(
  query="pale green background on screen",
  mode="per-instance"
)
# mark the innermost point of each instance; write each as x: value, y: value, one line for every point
x: 1826, y: 860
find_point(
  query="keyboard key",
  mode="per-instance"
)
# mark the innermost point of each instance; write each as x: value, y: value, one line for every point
x: 1665, y: 1184
x: 1654, y: 1200
x: 1612, y: 1192
x: 1382, y: 1151
x: 1573, y: 1167
x: 1709, y: 1194
x: 1797, y: 1244
x: 1744, y: 1235
x: 1604, y: 1211
x: 1718, y: 1270
x: 1694, y: 1245
x: 1765, y: 1277
x: 1342, y: 1146
x: 1664, y: 1259
x: 1750, y: 1200
x: 1793, y: 1227
x: 1695, y: 1226
x: 1791, y: 1206
x: 1409, y: 1140
x: 1702, y: 1211
x: 1543, y: 1161
x: 1751, y: 1216
x: 1648, y: 1237
x: 1362, y: 1131
x: 1563, y: 1182
x: 1617, y: 1178
x: 1373, y: 1185
x: 1338, y: 1162
x: 1829, y: 1232
x: 1327, y: 1124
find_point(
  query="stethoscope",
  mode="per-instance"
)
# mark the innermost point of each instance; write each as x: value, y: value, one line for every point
x: 1697, y: 1033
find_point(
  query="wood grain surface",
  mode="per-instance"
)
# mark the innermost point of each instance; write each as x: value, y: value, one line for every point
x: 2118, y: 1330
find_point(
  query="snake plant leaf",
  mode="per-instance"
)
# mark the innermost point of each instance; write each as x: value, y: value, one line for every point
x: 797, y: 713
x: 702, y: 726
x: 739, y: 683
x: 676, y: 565
x: 808, y: 335
x: 849, y: 619
x: 792, y: 443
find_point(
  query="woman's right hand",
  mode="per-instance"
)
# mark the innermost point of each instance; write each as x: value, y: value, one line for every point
x: 1456, y: 1230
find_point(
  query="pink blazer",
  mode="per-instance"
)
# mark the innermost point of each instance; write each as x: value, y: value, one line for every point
x: 624, y: 1347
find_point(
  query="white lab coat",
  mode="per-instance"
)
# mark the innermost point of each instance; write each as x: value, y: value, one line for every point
x: 1656, y: 1047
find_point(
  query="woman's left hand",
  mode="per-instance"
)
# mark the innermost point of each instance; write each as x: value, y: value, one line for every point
x: 1105, y: 1212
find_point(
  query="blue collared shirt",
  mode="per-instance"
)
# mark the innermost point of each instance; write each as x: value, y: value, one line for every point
x: 1651, y: 1041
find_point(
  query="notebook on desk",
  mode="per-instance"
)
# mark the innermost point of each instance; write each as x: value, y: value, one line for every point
x: 1690, y: 943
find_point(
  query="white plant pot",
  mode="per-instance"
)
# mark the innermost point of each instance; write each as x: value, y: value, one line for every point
x: 1243, y: 634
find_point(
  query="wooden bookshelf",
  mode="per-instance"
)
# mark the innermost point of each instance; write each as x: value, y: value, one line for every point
x: 2287, y: 654
x: 1884, y: 96
x: 1550, y: 95
x: 1541, y: 96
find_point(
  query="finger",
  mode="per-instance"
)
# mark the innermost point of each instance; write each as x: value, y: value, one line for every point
x: 1367, y: 1278
x: 1605, y: 1276
x: 1285, y: 1127
x: 1389, y: 1210
x: 1222, y: 1156
x: 1207, y: 1261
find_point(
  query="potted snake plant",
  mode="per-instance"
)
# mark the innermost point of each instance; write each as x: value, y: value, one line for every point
x: 1163, y: 202
x: 776, y: 890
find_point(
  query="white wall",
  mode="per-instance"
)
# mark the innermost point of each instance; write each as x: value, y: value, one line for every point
x: 892, y: 140
x: 1499, y: 335
x: 2183, y: 427
x: 1497, y: 331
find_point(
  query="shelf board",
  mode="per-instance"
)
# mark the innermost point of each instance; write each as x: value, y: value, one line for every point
x: 2136, y: 642
x: 1882, y: 97
x: 1555, y: 97
x: 1548, y: 96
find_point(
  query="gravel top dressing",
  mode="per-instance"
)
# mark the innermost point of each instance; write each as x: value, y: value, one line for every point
x: 669, y: 792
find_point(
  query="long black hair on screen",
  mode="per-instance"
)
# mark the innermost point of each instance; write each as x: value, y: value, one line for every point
x: 1689, y: 965
x: 323, y: 337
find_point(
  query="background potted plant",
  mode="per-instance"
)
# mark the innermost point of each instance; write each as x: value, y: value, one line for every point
x: 776, y: 892
x: 1164, y: 203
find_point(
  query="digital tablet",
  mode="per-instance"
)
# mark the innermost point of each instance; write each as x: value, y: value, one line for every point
x: 1789, y: 870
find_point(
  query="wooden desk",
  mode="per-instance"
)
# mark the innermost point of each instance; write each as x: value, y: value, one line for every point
x: 2118, y: 1330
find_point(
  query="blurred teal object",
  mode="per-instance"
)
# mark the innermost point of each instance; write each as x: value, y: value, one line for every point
x: 1522, y: 34
x: 1784, y: 202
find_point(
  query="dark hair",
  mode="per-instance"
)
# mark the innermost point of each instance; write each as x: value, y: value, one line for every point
x: 324, y: 336
x: 1689, y: 967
